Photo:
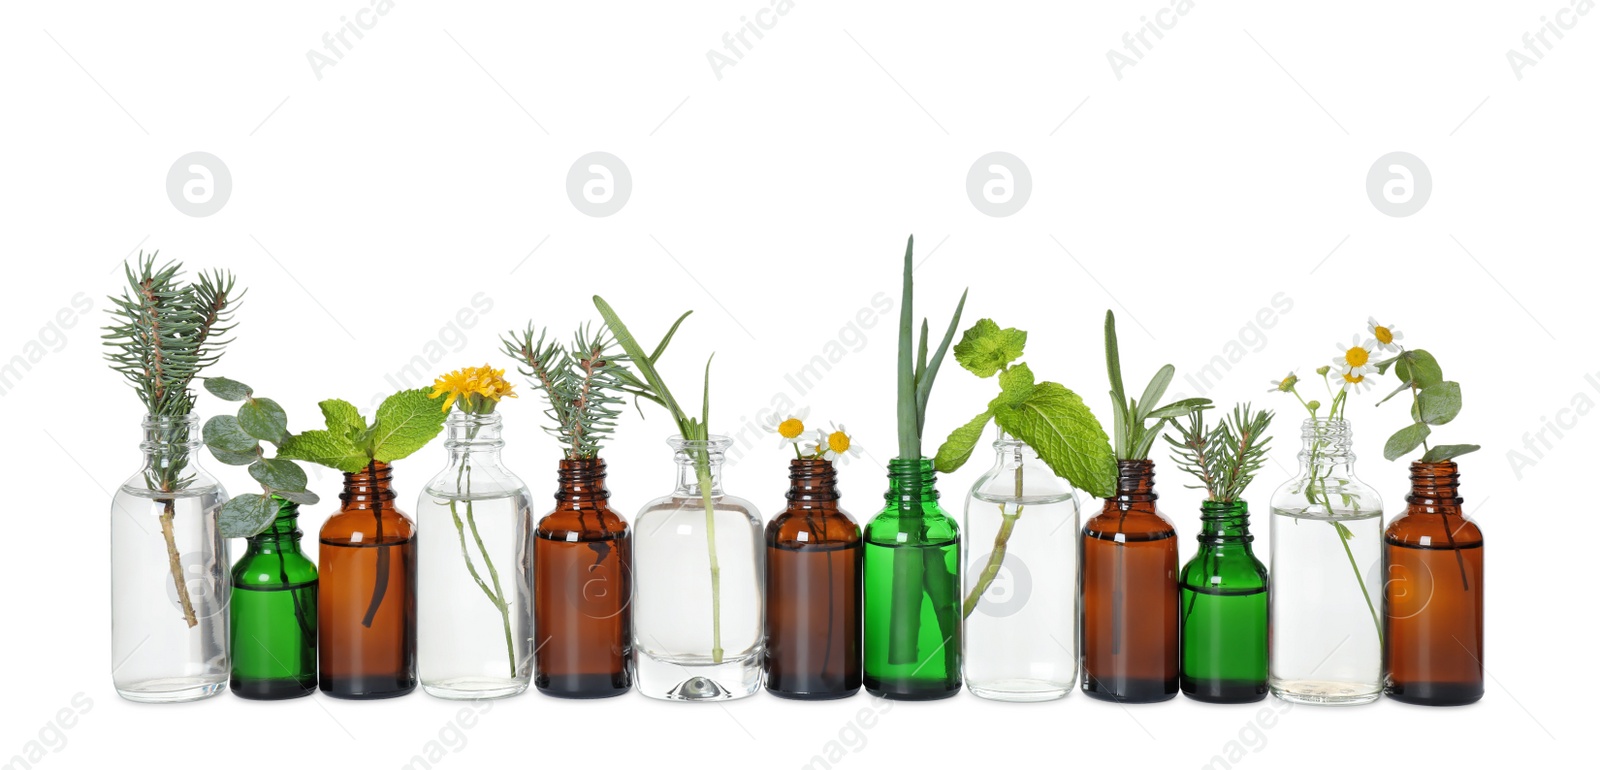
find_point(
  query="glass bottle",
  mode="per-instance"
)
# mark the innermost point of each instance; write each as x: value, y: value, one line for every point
x: 911, y: 626
x: 697, y: 595
x: 583, y: 586
x: 1129, y: 579
x: 169, y: 580
x: 1223, y: 610
x: 813, y: 649
x: 366, y: 605
x: 1323, y: 608
x: 474, y: 569
x: 1433, y: 595
x: 274, y: 614
x: 1021, y: 586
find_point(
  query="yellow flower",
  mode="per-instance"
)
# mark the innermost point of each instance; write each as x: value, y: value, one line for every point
x: 476, y: 389
x: 1284, y: 385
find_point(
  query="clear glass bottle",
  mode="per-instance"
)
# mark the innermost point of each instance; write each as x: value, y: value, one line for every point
x: 1021, y: 579
x: 169, y: 572
x: 1327, y: 529
x: 1433, y: 595
x: 1223, y: 600
x: 366, y: 592
x: 911, y: 600
x: 583, y: 589
x: 697, y: 609
x: 474, y: 569
x: 274, y: 614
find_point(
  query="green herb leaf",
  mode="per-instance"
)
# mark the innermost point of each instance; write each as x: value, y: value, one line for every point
x: 1154, y: 391
x: 406, y: 422
x: 1055, y: 422
x: 223, y: 432
x: 1405, y: 440
x: 264, y: 419
x: 340, y: 416
x: 233, y: 458
x: 246, y: 515
x: 226, y: 389
x: 925, y: 380
x: 1113, y: 359
x: 1439, y: 403
x: 1179, y: 408
x: 1419, y: 368
x: 1016, y: 385
x: 957, y: 449
x: 326, y: 448
x: 1442, y: 452
x: 986, y: 348
x: 279, y: 474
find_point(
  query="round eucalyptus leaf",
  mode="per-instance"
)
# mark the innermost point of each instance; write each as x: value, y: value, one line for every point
x: 1438, y: 404
x: 246, y: 515
x: 278, y: 474
x: 298, y: 498
x: 226, y: 389
x: 233, y: 458
x: 264, y: 419
x: 223, y: 432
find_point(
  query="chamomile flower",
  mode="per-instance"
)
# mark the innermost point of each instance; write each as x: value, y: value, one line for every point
x: 791, y: 428
x: 1285, y: 385
x: 836, y: 445
x: 1354, y: 359
x: 1355, y: 383
x: 1384, y: 337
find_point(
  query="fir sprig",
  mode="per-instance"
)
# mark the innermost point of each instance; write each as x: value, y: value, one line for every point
x: 1225, y: 458
x: 583, y: 384
x: 165, y: 331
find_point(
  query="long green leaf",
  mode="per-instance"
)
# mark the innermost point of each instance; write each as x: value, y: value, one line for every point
x: 906, y: 384
x: 705, y: 401
x: 662, y: 346
x: 1154, y: 391
x: 637, y: 355
x: 1113, y: 359
x: 925, y: 384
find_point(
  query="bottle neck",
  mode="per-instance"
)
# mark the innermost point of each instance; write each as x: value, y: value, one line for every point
x: 1434, y: 488
x: 1136, y: 484
x: 283, y: 534
x: 1223, y: 523
x: 1325, y: 447
x: 473, y: 437
x: 812, y: 485
x: 368, y: 487
x: 581, y: 484
x: 1011, y: 453
x: 699, y: 465
x: 911, y: 484
x: 170, y: 446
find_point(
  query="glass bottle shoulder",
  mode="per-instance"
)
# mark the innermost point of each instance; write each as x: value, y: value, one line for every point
x: 1431, y: 530
x: 677, y: 504
x: 359, y: 525
x: 1335, y: 497
x: 280, y: 567
x: 1138, y: 522
x: 803, y: 528
x: 1215, y: 567
x: 928, y: 525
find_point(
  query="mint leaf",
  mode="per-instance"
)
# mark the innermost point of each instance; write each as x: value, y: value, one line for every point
x: 985, y: 348
x: 1016, y: 385
x: 1404, y: 440
x: 223, y: 432
x: 246, y: 515
x: 340, y: 416
x: 1442, y: 452
x: 1439, y: 403
x: 1057, y: 424
x: 226, y: 389
x: 957, y: 449
x: 264, y: 419
x: 324, y: 448
x: 406, y: 422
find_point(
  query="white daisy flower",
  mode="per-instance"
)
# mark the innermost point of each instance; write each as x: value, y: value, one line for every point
x: 1355, y: 383
x: 1354, y: 359
x: 791, y: 428
x: 1384, y: 337
x: 837, y: 445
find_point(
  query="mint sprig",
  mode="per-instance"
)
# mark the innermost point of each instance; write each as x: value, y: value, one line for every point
x: 405, y: 422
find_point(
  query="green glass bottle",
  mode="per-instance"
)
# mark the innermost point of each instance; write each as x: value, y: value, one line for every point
x: 274, y: 614
x: 912, y: 596
x: 1223, y: 606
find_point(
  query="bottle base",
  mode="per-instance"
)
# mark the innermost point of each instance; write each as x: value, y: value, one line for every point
x: 696, y: 678
x: 475, y: 688
x: 1323, y: 693
x: 272, y: 689
x: 179, y: 689
x: 583, y: 686
x: 1223, y: 691
x: 903, y: 690
x: 1435, y: 693
x: 1132, y: 690
x: 365, y: 687
x: 818, y: 695
x: 1020, y: 690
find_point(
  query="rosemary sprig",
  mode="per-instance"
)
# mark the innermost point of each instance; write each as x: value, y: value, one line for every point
x: 1225, y: 458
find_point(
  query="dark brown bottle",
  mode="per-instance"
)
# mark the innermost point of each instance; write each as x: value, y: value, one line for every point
x: 1130, y: 594
x: 583, y: 582
x: 1433, y: 595
x: 367, y: 609
x: 813, y: 613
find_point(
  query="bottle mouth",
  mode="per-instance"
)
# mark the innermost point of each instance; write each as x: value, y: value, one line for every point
x: 717, y: 444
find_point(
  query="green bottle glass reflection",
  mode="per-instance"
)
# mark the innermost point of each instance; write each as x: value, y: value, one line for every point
x: 274, y: 614
x: 1223, y: 601
x: 912, y: 596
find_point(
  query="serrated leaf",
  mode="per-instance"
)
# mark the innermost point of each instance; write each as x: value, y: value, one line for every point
x: 1016, y: 385
x: 957, y: 449
x: 233, y: 458
x: 264, y: 419
x: 1419, y: 368
x: 985, y: 348
x: 1055, y: 422
x: 246, y: 515
x: 1404, y: 440
x: 324, y: 448
x: 223, y: 432
x: 340, y: 416
x: 298, y: 498
x: 1442, y: 452
x: 226, y: 389
x: 406, y: 422
x: 1439, y: 403
x: 279, y: 474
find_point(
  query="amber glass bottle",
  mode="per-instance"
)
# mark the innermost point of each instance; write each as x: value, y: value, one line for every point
x: 1130, y: 594
x: 1433, y: 595
x: 367, y: 610
x: 583, y: 582
x: 813, y: 590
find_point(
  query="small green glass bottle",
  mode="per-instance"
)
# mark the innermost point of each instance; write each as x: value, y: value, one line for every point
x: 912, y: 597
x: 274, y: 614
x: 1223, y: 606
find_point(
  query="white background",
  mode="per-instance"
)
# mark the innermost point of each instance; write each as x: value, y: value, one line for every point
x: 371, y: 204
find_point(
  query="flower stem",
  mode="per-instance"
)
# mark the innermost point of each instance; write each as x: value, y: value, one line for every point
x: 702, y: 472
x: 168, y: 510
x: 1008, y: 522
